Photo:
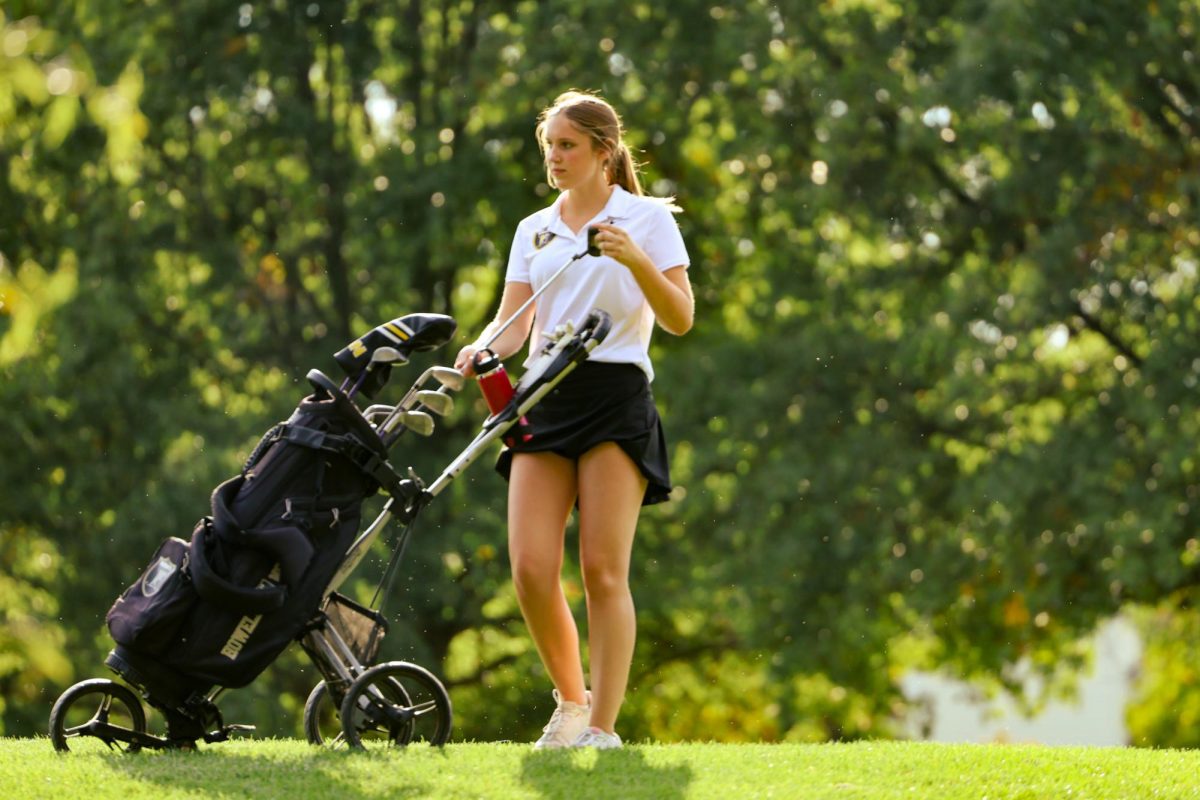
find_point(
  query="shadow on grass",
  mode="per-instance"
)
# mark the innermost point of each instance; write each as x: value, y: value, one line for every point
x: 620, y: 773
x: 231, y: 774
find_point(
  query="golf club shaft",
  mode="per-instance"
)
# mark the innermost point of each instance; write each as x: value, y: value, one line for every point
x: 524, y: 306
x: 362, y: 376
x: 388, y: 435
x: 388, y: 429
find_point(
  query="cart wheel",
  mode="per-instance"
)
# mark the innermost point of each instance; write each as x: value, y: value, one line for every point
x: 321, y: 722
x: 396, y: 703
x: 99, y: 709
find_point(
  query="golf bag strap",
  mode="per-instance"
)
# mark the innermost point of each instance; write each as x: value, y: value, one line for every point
x: 269, y: 438
x: 357, y: 453
x: 218, y: 590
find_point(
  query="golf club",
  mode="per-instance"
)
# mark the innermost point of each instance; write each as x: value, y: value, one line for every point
x: 593, y: 249
x: 418, y: 422
x: 448, y: 377
x: 382, y: 355
x: 436, y: 402
x: 450, y: 380
x: 404, y: 335
x: 378, y: 411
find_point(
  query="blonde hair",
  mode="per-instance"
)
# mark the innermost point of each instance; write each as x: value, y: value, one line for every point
x: 599, y: 121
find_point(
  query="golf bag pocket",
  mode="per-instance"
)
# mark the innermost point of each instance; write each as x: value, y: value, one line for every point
x: 231, y: 575
x: 147, y: 615
x: 283, y: 470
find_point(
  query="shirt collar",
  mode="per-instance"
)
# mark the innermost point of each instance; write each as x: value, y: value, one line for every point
x: 616, y: 209
x: 618, y: 205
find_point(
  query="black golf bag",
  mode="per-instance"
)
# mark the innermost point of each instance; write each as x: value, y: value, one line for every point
x: 220, y: 609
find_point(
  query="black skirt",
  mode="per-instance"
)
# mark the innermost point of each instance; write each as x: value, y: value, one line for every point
x: 600, y: 402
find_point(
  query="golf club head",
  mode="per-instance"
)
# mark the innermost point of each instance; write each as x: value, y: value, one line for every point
x: 418, y: 422
x: 436, y: 402
x: 449, y: 377
x: 376, y: 414
x: 386, y: 355
x: 405, y: 335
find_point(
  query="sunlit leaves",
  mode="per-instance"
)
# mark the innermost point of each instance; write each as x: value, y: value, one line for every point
x: 1166, y: 710
x: 28, y: 293
x: 945, y: 261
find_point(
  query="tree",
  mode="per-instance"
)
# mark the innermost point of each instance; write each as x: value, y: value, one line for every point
x: 937, y: 410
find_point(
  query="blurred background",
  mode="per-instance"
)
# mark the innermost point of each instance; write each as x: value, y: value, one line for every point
x: 935, y: 427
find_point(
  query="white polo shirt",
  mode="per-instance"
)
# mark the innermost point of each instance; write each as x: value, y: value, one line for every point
x: 543, y: 243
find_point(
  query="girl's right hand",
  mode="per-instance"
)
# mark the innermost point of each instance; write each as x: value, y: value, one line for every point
x: 464, y: 362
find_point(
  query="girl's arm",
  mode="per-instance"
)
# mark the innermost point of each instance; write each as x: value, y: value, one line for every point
x: 514, y: 296
x: 669, y: 291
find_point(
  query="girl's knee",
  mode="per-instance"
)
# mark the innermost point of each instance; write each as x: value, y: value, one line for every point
x: 535, y: 577
x: 602, y: 580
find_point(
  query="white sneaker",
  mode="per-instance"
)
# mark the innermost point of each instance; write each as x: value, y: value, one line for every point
x: 566, y: 723
x: 597, y: 738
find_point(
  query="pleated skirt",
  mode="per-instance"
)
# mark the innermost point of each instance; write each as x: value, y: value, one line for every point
x: 600, y: 402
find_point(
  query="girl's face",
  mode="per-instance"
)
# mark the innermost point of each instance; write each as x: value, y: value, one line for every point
x: 571, y: 158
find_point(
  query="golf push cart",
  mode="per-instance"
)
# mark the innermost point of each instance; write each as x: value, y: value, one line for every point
x: 263, y: 569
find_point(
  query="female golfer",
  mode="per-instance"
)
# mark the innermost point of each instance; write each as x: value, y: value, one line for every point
x: 597, y: 443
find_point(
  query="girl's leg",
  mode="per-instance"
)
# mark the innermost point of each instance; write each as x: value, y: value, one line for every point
x: 610, y: 498
x: 541, y: 493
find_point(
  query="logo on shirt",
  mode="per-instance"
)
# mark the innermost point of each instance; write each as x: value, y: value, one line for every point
x: 542, y: 238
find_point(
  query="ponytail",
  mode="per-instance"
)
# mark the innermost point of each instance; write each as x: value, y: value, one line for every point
x: 623, y: 170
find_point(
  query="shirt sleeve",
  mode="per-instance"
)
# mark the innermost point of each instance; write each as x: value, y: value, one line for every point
x: 518, y: 257
x: 664, y: 244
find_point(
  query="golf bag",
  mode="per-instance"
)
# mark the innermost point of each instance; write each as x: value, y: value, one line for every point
x: 223, y: 606
x: 217, y: 610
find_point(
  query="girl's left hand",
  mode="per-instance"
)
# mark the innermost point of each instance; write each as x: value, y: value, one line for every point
x: 616, y: 243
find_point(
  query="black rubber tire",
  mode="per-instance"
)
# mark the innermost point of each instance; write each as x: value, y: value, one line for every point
x: 107, y: 693
x: 394, y: 704
x: 317, y: 710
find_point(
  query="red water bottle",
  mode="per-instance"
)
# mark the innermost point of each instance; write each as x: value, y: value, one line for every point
x: 498, y: 390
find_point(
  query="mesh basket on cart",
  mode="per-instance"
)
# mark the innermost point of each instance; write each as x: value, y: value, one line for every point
x: 360, y: 627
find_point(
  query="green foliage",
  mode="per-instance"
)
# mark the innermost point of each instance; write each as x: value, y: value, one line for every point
x: 942, y: 381
x: 31, y: 641
x: 1166, y: 709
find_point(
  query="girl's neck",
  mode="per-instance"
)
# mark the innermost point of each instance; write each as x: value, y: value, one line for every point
x: 584, y: 202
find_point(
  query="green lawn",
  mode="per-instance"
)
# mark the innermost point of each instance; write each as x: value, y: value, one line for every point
x: 29, y: 768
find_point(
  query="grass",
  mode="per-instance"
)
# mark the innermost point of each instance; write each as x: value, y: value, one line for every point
x: 292, y: 769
